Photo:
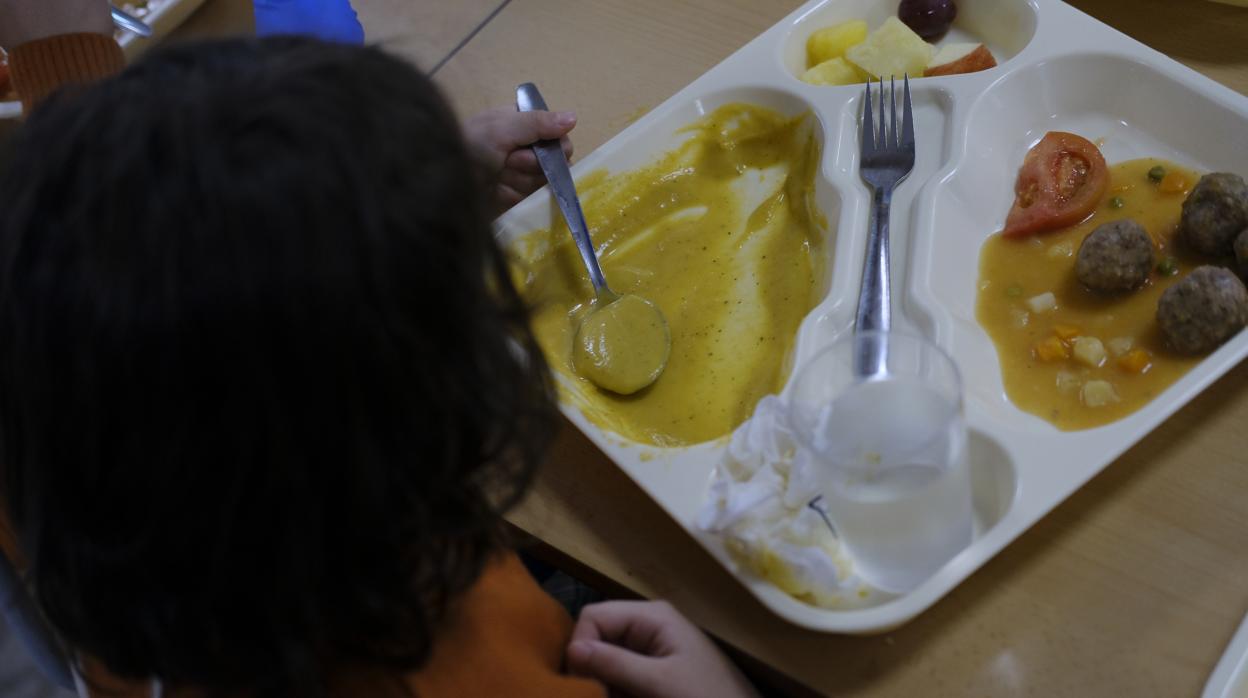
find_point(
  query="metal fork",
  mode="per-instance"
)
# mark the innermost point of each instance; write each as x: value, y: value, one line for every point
x: 887, y: 157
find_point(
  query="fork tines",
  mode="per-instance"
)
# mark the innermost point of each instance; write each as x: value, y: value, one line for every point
x: 887, y: 137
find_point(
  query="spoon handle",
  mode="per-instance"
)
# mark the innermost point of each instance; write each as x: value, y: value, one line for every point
x: 555, y: 164
x: 129, y: 22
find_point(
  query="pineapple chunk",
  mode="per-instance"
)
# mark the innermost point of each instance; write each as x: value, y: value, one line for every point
x: 1098, y: 393
x: 892, y: 50
x: 832, y: 42
x: 1089, y: 351
x: 836, y: 71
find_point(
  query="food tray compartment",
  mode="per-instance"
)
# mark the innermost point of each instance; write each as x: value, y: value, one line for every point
x: 1006, y: 27
x: 1057, y: 69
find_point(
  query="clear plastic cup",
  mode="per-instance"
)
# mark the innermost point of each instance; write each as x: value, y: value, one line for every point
x: 893, y: 449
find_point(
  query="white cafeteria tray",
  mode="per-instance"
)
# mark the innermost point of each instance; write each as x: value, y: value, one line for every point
x: 1230, y: 677
x: 163, y: 19
x: 1060, y: 70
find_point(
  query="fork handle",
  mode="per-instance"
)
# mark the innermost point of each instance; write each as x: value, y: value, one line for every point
x: 874, y: 298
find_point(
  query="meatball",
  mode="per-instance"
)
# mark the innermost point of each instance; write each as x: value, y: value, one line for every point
x: 1241, y: 253
x: 1116, y: 257
x: 1214, y: 213
x: 1203, y: 310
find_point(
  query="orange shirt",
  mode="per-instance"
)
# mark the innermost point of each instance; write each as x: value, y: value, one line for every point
x: 504, y: 637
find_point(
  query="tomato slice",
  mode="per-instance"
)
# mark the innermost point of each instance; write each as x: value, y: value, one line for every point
x: 1060, y: 183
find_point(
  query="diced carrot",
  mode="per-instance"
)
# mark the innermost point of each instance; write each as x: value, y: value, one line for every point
x: 1066, y: 332
x: 1052, y: 349
x: 1173, y: 183
x: 1135, y: 361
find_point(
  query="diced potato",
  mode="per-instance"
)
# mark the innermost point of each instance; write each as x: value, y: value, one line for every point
x: 1019, y: 317
x: 1089, y: 351
x: 1066, y: 332
x: 1061, y: 249
x: 836, y: 71
x: 1135, y: 361
x: 832, y: 42
x: 1067, y: 382
x: 893, y: 50
x: 1042, y: 303
x: 1120, y: 345
x: 1052, y: 349
x: 1098, y: 393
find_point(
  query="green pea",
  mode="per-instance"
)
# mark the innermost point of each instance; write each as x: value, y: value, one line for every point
x: 1014, y: 291
x: 1157, y: 174
x: 1168, y: 266
x: 1116, y: 202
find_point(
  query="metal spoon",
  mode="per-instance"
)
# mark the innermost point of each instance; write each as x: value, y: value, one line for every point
x: 555, y: 165
x: 130, y: 23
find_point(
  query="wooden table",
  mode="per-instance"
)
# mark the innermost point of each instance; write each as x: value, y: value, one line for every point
x: 1132, y: 587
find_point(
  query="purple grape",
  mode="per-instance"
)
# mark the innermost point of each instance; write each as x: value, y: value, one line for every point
x: 929, y: 19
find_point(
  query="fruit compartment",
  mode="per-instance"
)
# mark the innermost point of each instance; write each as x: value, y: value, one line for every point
x: 1005, y: 27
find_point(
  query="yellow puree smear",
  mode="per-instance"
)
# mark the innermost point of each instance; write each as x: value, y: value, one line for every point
x: 723, y: 236
x: 1013, y: 270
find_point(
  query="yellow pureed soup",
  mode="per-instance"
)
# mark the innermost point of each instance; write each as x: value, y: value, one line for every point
x: 723, y: 236
x: 1042, y: 371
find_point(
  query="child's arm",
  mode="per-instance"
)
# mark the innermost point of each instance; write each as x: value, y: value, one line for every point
x: 647, y: 649
x: 500, y: 139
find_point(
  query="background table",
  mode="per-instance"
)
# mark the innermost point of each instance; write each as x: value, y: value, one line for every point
x: 1132, y: 587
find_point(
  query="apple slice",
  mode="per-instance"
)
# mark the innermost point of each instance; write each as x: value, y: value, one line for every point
x: 955, y: 59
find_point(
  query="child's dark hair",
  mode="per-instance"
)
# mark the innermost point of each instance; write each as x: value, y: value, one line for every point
x: 266, y: 386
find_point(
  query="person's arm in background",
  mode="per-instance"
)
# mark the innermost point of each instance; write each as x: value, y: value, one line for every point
x: 331, y: 20
x: 57, y: 42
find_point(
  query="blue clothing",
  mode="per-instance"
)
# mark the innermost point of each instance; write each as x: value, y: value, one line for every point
x: 331, y: 20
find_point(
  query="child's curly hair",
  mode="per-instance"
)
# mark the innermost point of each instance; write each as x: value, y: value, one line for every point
x: 266, y: 386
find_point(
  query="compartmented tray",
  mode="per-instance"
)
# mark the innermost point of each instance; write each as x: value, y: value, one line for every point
x: 163, y: 18
x: 1230, y: 677
x: 1058, y: 70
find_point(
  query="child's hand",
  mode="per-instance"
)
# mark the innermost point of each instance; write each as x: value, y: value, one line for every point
x: 331, y: 20
x: 648, y: 650
x: 500, y: 138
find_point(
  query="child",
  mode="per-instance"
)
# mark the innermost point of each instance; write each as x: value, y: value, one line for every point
x: 266, y: 390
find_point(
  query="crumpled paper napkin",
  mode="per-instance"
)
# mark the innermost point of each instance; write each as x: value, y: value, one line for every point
x: 759, y: 503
